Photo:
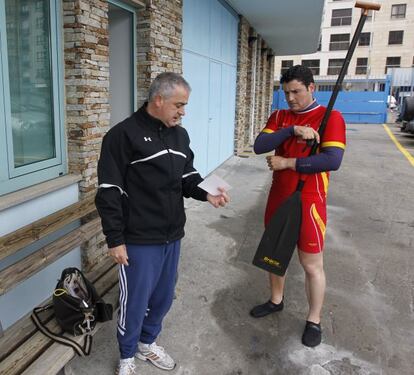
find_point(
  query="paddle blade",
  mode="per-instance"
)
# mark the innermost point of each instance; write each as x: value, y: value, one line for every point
x: 280, y: 237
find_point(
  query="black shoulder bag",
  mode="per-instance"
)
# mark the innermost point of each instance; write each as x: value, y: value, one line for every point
x: 77, y: 307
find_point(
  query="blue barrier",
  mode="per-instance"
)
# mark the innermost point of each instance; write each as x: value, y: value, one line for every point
x: 357, y: 107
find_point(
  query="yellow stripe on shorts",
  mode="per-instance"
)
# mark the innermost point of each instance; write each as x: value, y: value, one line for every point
x: 318, y: 220
x: 325, y: 180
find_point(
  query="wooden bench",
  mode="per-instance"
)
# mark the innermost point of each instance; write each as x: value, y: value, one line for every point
x: 23, y: 349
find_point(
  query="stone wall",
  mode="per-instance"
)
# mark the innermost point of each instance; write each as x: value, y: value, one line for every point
x: 86, y: 57
x: 258, y: 87
x: 251, y: 87
x: 241, y: 131
x: 254, y: 91
x: 159, y: 49
x: 270, y: 80
x: 86, y: 85
x: 159, y: 38
x: 264, y: 87
x: 86, y: 42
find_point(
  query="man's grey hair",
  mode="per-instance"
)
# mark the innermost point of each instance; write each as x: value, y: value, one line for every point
x: 165, y: 83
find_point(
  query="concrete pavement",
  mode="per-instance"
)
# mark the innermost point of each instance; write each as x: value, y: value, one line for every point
x: 368, y: 314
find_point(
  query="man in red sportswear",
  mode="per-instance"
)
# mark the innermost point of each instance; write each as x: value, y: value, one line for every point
x: 286, y: 133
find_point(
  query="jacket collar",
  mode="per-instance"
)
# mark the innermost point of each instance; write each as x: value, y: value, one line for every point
x: 143, y: 117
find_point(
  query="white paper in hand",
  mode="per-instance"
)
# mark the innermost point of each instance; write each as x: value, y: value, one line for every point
x: 212, y: 183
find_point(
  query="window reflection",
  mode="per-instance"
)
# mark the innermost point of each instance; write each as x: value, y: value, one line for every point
x: 30, y: 80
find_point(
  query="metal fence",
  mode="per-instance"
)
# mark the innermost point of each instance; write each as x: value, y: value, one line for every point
x: 357, y: 107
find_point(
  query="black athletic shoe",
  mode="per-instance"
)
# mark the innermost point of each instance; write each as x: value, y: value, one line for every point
x: 267, y: 308
x: 312, y: 335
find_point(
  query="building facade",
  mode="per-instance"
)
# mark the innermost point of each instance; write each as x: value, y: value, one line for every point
x: 71, y: 69
x: 387, y: 41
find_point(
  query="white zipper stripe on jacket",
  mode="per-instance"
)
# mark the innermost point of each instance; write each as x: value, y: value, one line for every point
x: 106, y: 186
x: 163, y: 152
x: 177, y: 153
x: 188, y: 174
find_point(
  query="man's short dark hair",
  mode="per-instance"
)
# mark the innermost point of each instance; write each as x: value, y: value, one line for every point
x: 299, y: 72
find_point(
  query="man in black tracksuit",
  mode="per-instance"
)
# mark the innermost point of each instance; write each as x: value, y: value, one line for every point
x: 145, y: 170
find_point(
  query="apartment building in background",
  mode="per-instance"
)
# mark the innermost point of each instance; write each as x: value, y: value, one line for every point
x: 386, y: 41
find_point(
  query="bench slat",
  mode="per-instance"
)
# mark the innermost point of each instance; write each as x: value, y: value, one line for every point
x: 24, y: 328
x: 56, y: 357
x: 27, y: 352
x: 22, y: 270
x: 19, y: 333
x: 12, y: 242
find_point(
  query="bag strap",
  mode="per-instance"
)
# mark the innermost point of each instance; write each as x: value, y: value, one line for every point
x: 81, y: 351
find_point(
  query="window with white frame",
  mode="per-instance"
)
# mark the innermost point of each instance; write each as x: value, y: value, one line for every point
x: 339, y: 42
x: 341, y: 17
x: 326, y: 88
x: 364, y: 39
x: 361, y: 65
x: 286, y: 64
x: 334, y: 66
x: 31, y: 126
x: 396, y: 37
x: 313, y: 65
x: 398, y: 10
x: 392, y: 62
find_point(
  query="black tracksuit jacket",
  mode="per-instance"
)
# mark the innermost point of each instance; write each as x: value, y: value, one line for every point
x: 144, y: 171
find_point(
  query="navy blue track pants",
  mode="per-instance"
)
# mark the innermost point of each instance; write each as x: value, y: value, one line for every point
x: 146, y: 293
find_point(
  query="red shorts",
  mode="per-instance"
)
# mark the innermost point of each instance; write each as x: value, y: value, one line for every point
x: 313, y: 226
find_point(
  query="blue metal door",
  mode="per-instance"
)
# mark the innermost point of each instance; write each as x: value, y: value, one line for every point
x: 197, y: 114
x: 214, y: 116
x: 228, y: 109
x: 210, y: 30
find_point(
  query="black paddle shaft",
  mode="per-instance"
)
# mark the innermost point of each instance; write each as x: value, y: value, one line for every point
x: 365, y: 7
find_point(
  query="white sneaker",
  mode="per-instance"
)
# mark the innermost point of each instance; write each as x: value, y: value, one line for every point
x: 126, y: 367
x: 156, y: 355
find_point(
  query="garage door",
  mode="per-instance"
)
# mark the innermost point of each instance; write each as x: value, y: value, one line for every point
x: 210, y: 31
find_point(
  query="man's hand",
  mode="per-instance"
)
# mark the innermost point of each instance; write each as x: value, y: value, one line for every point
x: 119, y: 254
x: 278, y: 163
x: 219, y: 200
x: 306, y: 133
